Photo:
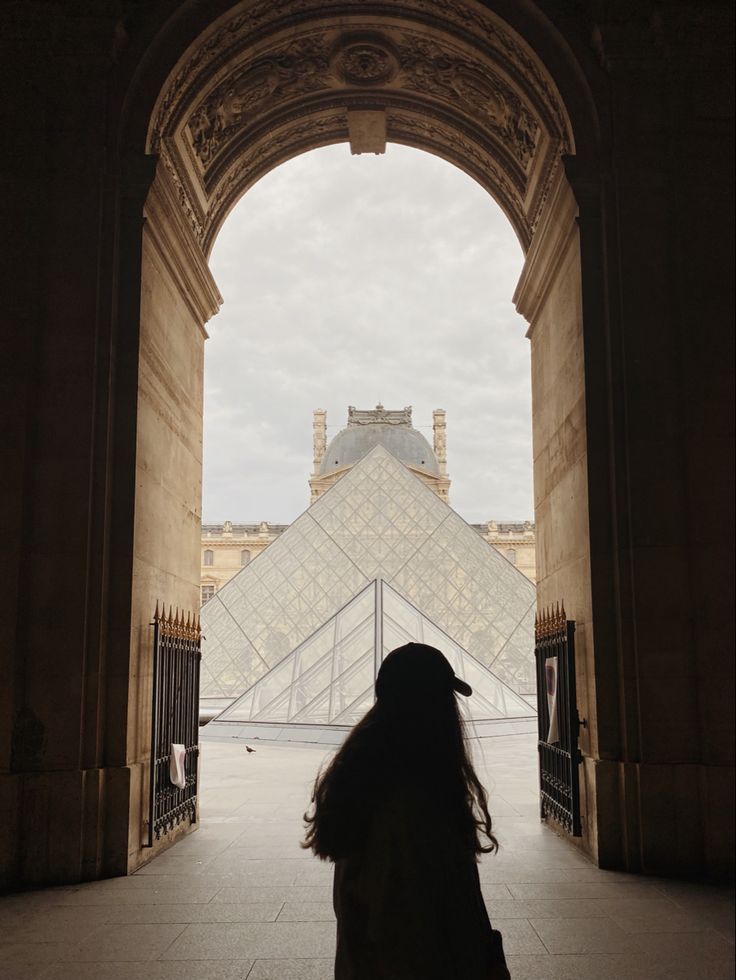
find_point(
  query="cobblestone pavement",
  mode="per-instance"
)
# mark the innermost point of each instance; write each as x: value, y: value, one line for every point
x: 238, y: 899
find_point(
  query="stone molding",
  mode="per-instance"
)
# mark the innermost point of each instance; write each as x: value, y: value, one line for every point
x: 469, y: 22
x: 284, y: 76
x: 178, y: 249
x: 555, y: 233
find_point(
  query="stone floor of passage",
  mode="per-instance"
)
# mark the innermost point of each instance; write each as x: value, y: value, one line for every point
x: 238, y: 899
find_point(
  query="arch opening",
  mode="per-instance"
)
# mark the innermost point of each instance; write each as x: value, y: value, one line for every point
x: 129, y: 122
x: 254, y: 90
x: 349, y: 281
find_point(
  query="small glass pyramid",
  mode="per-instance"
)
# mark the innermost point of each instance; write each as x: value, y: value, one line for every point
x: 329, y: 678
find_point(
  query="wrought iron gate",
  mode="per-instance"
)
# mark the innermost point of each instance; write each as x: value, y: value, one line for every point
x: 559, y: 722
x: 174, y: 719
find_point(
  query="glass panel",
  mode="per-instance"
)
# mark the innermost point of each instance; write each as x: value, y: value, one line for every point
x: 393, y: 637
x: 354, y: 712
x: 350, y: 650
x: 315, y: 713
x: 306, y: 688
x: 276, y: 710
x: 356, y: 613
x: 272, y: 685
x: 352, y: 684
x: 402, y: 614
x: 240, y: 711
x: 494, y: 691
x: 316, y: 647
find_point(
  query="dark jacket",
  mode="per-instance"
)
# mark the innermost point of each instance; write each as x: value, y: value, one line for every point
x: 408, y: 901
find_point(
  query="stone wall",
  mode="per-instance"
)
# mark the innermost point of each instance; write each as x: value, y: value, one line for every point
x: 178, y: 295
x: 633, y: 442
x: 549, y: 296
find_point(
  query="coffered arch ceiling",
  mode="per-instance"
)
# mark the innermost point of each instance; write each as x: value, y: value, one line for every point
x: 275, y: 78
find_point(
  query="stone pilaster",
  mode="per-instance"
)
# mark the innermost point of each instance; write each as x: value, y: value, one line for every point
x: 319, y: 441
x: 319, y: 436
x: 439, y: 430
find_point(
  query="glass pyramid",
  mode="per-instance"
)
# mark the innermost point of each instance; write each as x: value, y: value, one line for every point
x: 378, y: 522
x: 329, y: 679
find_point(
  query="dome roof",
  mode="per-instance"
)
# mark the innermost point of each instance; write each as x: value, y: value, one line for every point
x: 402, y: 441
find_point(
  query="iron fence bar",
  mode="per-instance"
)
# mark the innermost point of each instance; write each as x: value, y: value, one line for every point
x: 174, y: 719
x: 573, y: 730
x: 559, y: 758
x: 154, y: 702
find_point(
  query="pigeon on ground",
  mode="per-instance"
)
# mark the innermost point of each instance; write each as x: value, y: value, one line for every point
x: 249, y: 749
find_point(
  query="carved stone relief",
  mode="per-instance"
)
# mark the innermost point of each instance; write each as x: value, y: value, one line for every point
x: 364, y: 59
x: 450, y: 77
x: 465, y: 18
x: 297, y: 69
x: 191, y: 213
x: 553, y: 164
x: 406, y: 62
x: 379, y: 416
x: 430, y: 69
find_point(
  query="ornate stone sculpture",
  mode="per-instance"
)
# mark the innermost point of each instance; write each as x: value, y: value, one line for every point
x: 364, y: 59
x: 284, y: 76
x: 379, y: 416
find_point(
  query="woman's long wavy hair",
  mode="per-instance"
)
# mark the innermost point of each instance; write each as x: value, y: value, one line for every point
x: 401, y: 746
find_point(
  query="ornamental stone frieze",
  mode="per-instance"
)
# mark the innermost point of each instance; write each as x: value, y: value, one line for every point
x: 407, y: 62
x: 286, y: 76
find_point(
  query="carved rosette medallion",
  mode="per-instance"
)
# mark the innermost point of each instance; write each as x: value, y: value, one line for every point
x: 364, y: 60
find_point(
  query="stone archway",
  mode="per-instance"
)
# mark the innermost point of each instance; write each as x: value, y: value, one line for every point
x: 261, y: 85
x: 259, y: 88
x: 626, y: 287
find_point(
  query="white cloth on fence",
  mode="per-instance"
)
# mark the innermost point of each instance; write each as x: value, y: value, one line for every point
x: 177, y: 766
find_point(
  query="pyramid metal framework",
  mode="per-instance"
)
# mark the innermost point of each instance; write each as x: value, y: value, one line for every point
x: 379, y: 522
x: 329, y: 679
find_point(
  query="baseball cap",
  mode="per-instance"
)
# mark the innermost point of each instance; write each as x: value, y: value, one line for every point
x: 417, y: 665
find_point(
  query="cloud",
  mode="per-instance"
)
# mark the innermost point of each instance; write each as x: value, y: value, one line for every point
x: 352, y: 280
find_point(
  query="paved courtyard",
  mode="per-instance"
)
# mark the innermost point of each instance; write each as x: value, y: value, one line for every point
x: 238, y: 899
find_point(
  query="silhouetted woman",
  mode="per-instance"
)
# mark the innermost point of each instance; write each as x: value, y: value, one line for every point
x: 402, y: 814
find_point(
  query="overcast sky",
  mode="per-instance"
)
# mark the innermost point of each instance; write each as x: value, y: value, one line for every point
x: 350, y: 280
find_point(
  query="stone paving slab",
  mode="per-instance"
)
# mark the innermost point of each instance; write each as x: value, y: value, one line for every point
x: 239, y: 900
